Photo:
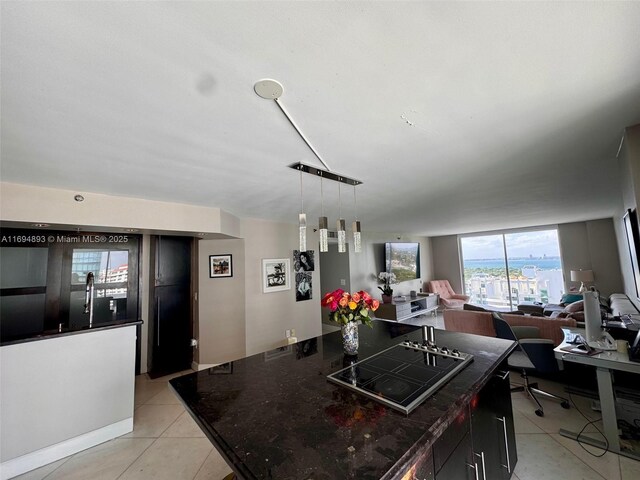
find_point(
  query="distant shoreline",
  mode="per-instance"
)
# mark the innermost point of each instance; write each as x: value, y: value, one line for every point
x: 549, y: 263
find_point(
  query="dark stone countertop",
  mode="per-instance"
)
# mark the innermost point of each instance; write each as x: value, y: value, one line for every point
x: 275, y: 415
x: 64, y: 332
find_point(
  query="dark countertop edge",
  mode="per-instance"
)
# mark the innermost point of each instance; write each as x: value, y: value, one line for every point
x: 216, y: 440
x: 424, y: 445
x: 50, y: 334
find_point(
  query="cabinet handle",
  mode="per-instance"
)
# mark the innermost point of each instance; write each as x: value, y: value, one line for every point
x: 506, y: 442
x: 484, y: 471
x: 475, y: 469
x: 158, y: 310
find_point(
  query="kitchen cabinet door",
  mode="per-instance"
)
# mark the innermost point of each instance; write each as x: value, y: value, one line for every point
x: 492, y: 430
x: 460, y: 465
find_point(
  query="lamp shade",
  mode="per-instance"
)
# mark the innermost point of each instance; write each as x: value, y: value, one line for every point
x: 582, y: 275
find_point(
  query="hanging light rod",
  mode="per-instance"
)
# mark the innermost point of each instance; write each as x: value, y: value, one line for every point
x: 272, y: 90
x: 324, y: 173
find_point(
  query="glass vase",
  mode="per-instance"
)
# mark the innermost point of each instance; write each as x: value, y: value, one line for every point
x: 350, y: 338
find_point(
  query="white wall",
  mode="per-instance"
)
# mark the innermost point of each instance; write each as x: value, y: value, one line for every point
x: 591, y: 245
x: 446, y: 261
x: 26, y: 203
x: 59, y: 395
x: 365, y: 266
x: 269, y: 315
x: 221, y: 326
x: 629, y: 167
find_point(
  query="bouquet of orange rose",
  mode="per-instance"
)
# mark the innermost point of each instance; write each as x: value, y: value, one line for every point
x: 350, y: 307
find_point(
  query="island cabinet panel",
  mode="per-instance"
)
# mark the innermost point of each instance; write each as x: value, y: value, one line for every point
x: 492, y: 429
x: 459, y: 465
x: 480, y: 445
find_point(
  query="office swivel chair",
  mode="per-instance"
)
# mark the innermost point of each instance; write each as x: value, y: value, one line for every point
x: 533, y: 353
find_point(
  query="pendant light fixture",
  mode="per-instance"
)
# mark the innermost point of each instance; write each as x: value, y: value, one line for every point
x: 272, y: 90
x: 340, y: 226
x: 322, y: 223
x: 302, y: 221
x: 357, y: 233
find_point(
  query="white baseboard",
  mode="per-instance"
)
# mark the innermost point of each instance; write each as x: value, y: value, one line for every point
x: 202, y: 366
x: 31, y: 461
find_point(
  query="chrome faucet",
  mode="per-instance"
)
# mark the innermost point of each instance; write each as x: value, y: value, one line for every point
x: 88, y: 298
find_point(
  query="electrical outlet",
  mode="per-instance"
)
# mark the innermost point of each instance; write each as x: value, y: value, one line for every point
x: 343, y: 282
x: 287, y: 333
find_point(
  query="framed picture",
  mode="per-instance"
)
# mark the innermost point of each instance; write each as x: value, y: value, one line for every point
x: 220, y: 266
x: 304, y: 289
x: 276, y: 274
x: 303, y: 261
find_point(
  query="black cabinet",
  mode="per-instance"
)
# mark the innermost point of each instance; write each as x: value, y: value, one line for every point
x: 482, y: 444
x: 171, y: 326
x: 492, y: 429
x: 460, y: 464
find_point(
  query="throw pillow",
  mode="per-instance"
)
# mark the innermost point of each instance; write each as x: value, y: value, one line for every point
x: 568, y: 298
x: 575, y: 307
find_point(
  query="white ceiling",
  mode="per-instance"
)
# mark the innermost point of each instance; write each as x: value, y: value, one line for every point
x: 457, y: 117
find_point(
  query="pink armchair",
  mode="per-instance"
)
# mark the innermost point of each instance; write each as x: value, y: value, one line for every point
x: 448, y: 298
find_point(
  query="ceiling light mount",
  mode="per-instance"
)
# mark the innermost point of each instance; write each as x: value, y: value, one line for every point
x: 319, y: 172
x: 272, y: 90
x: 268, y: 89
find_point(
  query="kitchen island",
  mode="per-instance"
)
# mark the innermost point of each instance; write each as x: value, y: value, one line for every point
x: 64, y: 391
x: 275, y: 416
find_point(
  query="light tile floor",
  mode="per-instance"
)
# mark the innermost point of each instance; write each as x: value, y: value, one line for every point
x: 167, y: 444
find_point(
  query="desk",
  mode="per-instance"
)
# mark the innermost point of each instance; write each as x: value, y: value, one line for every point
x: 604, y: 363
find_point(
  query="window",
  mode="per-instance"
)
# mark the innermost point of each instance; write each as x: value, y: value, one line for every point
x: 502, y: 270
x: 43, y: 281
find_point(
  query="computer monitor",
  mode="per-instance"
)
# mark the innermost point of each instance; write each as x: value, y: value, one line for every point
x: 596, y: 336
x: 634, y: 349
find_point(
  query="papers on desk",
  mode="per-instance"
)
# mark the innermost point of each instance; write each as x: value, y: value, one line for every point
x: 581, y: 351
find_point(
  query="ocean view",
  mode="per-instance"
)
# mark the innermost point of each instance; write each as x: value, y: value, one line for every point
x: 547, y: 263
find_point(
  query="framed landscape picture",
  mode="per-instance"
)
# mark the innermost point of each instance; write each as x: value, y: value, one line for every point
x: 220, y: 266
x: 276, y: 274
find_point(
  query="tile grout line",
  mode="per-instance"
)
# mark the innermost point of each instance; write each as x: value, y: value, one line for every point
x: 135, y: 459
x: 580, y: 459
x: 204, y: 461
x: 66, y: 459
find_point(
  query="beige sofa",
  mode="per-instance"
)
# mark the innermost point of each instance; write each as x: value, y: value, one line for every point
x: 481, y: 323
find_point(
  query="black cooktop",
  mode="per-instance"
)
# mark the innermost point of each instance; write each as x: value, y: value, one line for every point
x: 404, y: 375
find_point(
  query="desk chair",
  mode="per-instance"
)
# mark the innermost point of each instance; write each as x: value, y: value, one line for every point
x: 533, y: 353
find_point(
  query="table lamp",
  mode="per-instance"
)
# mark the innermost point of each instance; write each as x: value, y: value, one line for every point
x: 582, y: 276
